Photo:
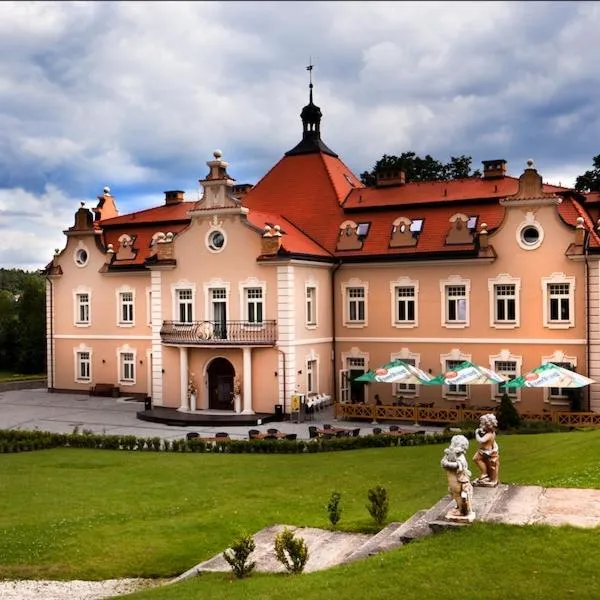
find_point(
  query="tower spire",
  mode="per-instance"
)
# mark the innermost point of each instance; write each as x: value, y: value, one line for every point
x: 309, y: 68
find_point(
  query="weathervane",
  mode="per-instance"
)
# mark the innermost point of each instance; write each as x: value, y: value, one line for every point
x: 309, y: 69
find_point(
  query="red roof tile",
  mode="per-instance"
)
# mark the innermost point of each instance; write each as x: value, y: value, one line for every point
x: 164, y: 213
x: 569, y: 210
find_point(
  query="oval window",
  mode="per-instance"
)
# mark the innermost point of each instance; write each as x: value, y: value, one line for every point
x: 530, y: 235
x: 216, y: 241
x: 81, y: 257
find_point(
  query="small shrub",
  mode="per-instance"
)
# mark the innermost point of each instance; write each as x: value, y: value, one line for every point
x: 379, y: 504
x: 238, y: 556
x: 507, y: 415
x: 334, y: 509
x: 290, y: 551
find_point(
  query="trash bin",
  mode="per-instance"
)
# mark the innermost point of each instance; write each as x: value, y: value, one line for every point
x: 279, y: 411
x: 147, y: 403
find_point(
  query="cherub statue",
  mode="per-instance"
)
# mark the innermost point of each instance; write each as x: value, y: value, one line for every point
x: 455, y: 464
x: 237, y: 386
x: 487, y: 457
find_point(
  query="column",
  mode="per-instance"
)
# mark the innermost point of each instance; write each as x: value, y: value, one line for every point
x: 247, y: 382
x: 156, y: 318
x: 183, y: 378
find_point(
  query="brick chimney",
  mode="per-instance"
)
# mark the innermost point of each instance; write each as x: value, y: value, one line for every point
x: 164, y: 247
x: 389, y: 177
x: 493, y: 169
x: 174, y: 197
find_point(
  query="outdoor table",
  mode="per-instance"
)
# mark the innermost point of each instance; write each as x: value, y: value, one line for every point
x: 333, y: 430
x: 261, y: 436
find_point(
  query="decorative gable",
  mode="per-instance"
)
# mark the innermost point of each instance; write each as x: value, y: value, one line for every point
x: 348, y: 238
x: 459, y: 232
x: 402, y: 236
x: 125, y: 251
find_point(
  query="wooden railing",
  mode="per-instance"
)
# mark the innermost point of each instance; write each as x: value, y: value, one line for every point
x: 422, y: 414
x: 217, y: 333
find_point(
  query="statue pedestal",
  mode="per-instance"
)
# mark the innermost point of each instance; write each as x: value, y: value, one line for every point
x: 456, y: 517
x: 237, y: 403
x: 192, y: 402
x: 484, y: 483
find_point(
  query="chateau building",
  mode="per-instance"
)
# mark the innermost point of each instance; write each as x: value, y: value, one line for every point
x: 253, y: 294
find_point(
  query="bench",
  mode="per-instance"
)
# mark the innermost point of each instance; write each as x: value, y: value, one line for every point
x: 105, y: 389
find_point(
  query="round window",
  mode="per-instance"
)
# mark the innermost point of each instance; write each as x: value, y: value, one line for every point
x: 216, y: 241
x: 530, y: 235
x: 81, y: 257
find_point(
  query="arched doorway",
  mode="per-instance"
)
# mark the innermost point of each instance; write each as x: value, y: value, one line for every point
x: 220, y: 384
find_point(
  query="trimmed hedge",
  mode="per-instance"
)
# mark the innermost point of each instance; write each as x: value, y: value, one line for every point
x: 24, y: 441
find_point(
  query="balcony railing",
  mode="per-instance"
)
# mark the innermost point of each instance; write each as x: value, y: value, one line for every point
x: 218, y: 333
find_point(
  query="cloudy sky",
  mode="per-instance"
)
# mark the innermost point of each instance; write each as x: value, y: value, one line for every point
x: 137, y: 95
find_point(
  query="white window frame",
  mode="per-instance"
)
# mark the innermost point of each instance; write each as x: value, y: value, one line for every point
x: 493, y: 283
x: 529, y: 221
x: 251, y: 283
x: 310, y: 305
x: 77, y: 361
x: 404, y: 389
x: 445, y: 285
x: 121, y: 353
x: 175, y: 293
x: 77, y: 253
x: 558, y: 279
x: 449, y: 391
x: 404, y: 282
x: 312, y: 373
x: 558, y: 357
x: 77, y: 293
x: 218, y: 283
x: 505, y: 356
x: 120, y: 293
x: 346, y: 286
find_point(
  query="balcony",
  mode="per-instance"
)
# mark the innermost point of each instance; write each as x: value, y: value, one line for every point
x: 219, y: 333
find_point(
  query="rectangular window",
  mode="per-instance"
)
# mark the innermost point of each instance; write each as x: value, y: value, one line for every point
x: 83, y: 366
x: 559, y: 302
x: 311, y: 372
x: 184, y: 306
x: 254, y: 305
x: 405, y: 304
x: 508, y: 368
x: 505, y: 302
x: 127, y: 367
x: 406, y: 388
x: 356, y: 304
x: 126, y: 308
x: 83, y: 308
x: 456, y: 304
x: 311, y: 306
x: 455, y: 389
x: 556, y: 392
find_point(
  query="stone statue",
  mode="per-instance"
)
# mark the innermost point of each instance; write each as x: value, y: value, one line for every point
x: 455, y: 464
x: 237, y: 386
x: 487, y: 457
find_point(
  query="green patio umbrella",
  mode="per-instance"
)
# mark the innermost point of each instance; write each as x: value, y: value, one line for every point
x: 396, y: 371
x: 466, y: 373
x: 550, y: 375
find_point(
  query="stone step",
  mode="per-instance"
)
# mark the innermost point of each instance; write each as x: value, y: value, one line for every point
x: 381, y: 541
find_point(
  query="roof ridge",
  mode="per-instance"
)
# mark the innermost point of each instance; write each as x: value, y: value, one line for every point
x: 144, y: 210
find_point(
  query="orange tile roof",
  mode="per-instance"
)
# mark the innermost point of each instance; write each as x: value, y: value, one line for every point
x: 164, y: 213
x: 569, y: 210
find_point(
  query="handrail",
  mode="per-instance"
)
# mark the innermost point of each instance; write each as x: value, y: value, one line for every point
x: 219, y: 332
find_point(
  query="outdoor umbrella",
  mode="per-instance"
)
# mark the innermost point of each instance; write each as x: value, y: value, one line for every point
x: 396, y: 372
x: 550, y: 375
x: 467, y: 373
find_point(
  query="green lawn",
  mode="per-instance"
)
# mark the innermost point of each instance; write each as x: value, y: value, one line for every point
x: 9, y: 376
x: 99, y: 514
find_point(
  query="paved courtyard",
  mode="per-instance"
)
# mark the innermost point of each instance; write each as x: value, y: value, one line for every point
x: 61, y: 413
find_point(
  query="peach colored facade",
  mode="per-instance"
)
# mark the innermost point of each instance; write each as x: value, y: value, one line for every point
x: 236, y: 305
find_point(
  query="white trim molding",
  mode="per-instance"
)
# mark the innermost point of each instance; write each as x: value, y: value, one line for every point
x: 506, y: 356
x: 182, y: 284
x: 529, y: 222
x: 311, y: 284
x: 454, y: 355
x: 506, y: 280
x: 404, y: 282
x: 77, y: 292
x: 252, y: 283
x: 209, y: 286
x: 558, y: 279
x: 119, y: 293
x: 455, y: 281
x: 77, y: 351
x: 121, y: 352
x: 312, y: 357
x: 355, y: 352
x: 81, y: 255
x: 345, y: 286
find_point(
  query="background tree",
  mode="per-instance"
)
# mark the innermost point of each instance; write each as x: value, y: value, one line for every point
x: 590, y: 180
x: 422, y: 169
x: 8, y: 330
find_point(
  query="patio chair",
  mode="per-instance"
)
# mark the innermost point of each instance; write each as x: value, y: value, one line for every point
x: 312, y: 431
x: 394, y: 428
x: 222, y: 434
x: 327, y: 426
x: 192, y: 435
x: 272, y: 431
x: 252, y: 433
x: 355, y: 432
x: 291, y: 436
x: 377, y: 431
x: 342, y: 434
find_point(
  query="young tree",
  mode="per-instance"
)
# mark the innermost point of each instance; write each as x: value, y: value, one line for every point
x: 31, y: 337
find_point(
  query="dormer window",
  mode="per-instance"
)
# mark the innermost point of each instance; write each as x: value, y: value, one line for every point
x: 416, y: 225
x: 362, y: 229
x: 472, y: 222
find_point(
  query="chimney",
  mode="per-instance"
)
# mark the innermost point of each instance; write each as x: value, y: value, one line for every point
x: 174, y: 197
x: 389, y: 177
x: 494, y: 168
x: 164, y: 247
x: 241, y: 189
x: 271, y: 240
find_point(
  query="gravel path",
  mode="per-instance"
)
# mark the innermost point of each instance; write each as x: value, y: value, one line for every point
x: 70, y: 590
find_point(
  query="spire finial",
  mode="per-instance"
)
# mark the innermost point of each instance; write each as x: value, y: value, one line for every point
x: 309, y: 68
